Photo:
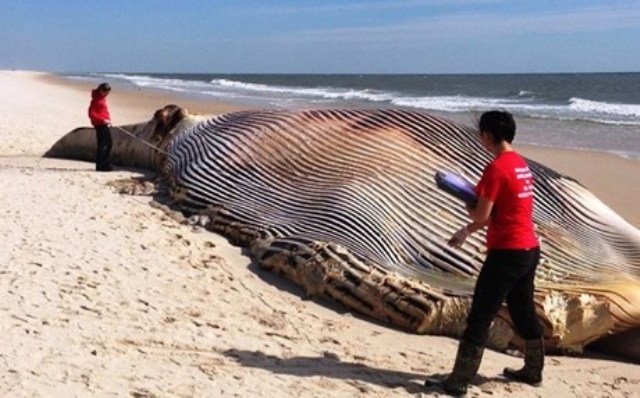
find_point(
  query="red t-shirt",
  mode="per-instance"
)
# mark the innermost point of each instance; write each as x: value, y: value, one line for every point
x: 508, y: 183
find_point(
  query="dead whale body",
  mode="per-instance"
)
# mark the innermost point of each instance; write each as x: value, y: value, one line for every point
x: 343, y: 203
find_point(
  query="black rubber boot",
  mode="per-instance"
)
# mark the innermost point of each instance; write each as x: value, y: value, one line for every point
x: 465, y: 369
x: 531, y: 373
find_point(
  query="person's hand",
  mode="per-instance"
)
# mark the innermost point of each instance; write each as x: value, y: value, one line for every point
x: 459, y: 237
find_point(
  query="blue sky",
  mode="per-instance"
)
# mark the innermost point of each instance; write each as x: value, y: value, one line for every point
x: 320, y: 36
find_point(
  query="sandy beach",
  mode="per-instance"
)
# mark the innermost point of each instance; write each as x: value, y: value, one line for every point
x: 104, y: 295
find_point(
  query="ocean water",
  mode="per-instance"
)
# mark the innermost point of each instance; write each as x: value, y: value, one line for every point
x: 596, y: 111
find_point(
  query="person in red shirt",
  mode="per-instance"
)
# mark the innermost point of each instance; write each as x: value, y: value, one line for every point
x: 101, y: 120
x: 505, y: 205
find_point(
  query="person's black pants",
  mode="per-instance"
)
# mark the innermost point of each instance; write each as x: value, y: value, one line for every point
x: 506, y: 275
x: 103, y: 150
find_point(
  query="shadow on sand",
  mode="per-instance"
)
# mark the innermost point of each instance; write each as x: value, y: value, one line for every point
x: 331, y: 366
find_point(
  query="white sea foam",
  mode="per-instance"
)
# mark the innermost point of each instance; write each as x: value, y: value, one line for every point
x: 154, y: 82
x: 319, y: 92
x: 584, y: 105
x: 575, y: 109
x: 281, y: 95
x: 456, y: 103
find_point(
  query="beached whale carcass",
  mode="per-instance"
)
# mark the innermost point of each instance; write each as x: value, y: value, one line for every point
x: 343, y: 203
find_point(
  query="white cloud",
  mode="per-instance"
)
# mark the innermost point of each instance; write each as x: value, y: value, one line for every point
x: 482, y: 24
x: 365, y: 6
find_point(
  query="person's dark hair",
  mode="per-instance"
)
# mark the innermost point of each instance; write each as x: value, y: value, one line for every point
x: 499, y: 124
x: 104, y: 87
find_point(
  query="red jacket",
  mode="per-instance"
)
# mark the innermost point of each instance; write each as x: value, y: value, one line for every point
x: 98, y: 109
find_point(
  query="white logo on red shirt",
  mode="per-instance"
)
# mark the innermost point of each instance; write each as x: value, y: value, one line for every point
x: 523, y: 173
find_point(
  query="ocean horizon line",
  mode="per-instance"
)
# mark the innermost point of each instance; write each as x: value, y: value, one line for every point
x: 63, y: 73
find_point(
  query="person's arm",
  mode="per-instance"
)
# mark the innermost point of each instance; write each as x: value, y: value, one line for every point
x: 98, y: 119
x: 461, y: 235
x: 480, y: 216
x: 481, y: 212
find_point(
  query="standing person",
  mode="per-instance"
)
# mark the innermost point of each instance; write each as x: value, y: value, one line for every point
x: 505, y: 205
x: 101, y: 120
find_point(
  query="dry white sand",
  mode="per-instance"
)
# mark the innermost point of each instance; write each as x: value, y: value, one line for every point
x: 103, y: 295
